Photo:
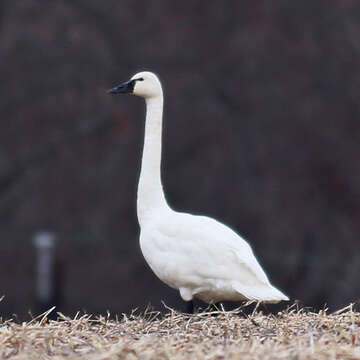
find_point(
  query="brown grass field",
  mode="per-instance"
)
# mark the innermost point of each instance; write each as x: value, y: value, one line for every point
x: 290, y: 334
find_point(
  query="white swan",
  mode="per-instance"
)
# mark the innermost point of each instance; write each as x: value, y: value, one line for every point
x: 197, y: 255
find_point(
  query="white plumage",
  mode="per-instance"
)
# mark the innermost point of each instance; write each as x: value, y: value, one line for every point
x: 197, y: 255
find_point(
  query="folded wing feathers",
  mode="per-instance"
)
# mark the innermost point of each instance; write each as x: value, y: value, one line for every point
x: 227, y: 255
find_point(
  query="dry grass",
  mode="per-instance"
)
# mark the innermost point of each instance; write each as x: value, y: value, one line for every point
x: 291, y: 334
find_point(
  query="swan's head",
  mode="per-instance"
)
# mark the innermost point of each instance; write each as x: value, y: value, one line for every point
x: 145, y: 84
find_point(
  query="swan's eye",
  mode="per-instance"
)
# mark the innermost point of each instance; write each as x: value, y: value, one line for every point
x: 140, y: 79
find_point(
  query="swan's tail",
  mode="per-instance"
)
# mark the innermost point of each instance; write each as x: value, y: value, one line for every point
x: 264, y: 293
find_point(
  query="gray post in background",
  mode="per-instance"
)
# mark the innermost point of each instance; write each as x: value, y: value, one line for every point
x: 47, y: 286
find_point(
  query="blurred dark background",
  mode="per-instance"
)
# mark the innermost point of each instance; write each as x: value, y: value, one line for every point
x: 261, y: 131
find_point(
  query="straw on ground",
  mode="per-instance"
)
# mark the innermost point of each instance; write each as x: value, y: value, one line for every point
x: 291, y: 334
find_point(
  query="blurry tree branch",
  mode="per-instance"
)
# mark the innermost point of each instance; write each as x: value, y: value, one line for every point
x: 16, y: 173
x: 103, y: 24
x: 3, y: 5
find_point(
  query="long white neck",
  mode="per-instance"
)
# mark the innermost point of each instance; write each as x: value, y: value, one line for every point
x: 150, y: 194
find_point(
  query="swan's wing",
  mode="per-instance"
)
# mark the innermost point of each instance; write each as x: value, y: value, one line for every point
x: 196, y: 254
x: 209, y: 249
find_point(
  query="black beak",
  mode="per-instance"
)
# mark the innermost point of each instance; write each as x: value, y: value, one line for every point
x: 125, y: 88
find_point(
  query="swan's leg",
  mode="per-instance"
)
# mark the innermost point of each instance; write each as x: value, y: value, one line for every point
x: 187, y: 296
x: 190, y: 307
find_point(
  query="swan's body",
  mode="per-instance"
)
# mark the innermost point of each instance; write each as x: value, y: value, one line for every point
x: 197, y: 255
